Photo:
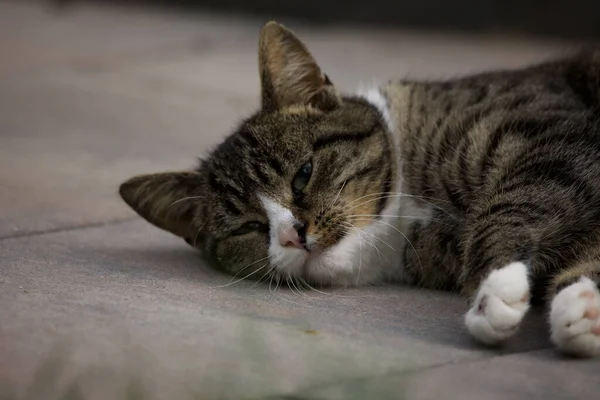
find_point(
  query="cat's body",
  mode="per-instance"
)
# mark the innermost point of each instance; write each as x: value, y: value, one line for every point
x: 504, y: 148
x: 488, y: 185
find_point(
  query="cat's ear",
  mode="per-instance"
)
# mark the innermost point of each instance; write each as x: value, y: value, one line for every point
x: 166, y: 200
x: 289, y: 74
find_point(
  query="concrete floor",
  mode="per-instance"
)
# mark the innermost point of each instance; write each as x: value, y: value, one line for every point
x: 96, y: 95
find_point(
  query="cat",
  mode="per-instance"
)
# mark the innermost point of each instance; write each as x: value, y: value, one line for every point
x: 487, y: 185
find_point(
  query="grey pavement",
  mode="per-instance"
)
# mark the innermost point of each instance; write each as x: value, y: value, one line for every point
x: 89, y: 98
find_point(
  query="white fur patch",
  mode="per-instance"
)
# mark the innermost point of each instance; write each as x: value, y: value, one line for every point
x: 500, y: 304
x: 363, y: 256
x: 373, y: 95
x: 288, y: 260
x: 575, y: 319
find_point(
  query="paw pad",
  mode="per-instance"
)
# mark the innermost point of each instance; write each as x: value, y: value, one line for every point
x: 587, y: 294
x: 575, y: 319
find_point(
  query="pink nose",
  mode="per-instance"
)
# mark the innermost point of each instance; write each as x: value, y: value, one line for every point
x: 293, y: 236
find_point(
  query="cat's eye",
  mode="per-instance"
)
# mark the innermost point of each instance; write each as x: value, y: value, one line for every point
x: 302, y: 177
x: 248, y: 227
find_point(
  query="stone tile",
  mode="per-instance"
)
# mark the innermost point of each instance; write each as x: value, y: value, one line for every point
x: 64, y: 146
x: 129, y: 288
x: 64, y: 151
x: 533, y: 375
x: 349, y: 56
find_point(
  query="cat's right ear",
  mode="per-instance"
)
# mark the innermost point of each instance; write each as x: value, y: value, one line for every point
x: 289, y: 74
x: 166, y: 200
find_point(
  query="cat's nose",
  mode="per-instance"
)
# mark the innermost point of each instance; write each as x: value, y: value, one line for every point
x: 293, y: 236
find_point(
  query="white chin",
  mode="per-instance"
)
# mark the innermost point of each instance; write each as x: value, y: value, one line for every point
x: 326, y: 271
x: 323, y: 269
x: 288, y: 262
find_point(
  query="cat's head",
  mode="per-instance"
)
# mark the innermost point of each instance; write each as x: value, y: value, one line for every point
x: 298, y: 190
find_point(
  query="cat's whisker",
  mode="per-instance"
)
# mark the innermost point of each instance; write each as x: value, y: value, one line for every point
x: 369, y: 237
x: 350, y: 207
x: 274, y: 277
x: 246, y: 267
x: 293, y: 286
x: 195, y: 241
x: 407, y: 241
x: 296, y: 285
x: 370, y: 195
x: 278, y: 281
x: 399, y: 216
x: 304, y: 282
x: 288, y: 283
x: 377, y: 194
x: 328, y: 270
x: 385, y: 223
x: 299, y: 287
x: 402, y: 194
x: 335, y: 199
x: 361, y: 232
x: 267, y: 274
x: 241, y: 279
x: 375, y: 237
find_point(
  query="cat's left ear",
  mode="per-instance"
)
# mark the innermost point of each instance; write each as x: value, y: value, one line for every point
x: 289, y: 74
x: 166, y: 200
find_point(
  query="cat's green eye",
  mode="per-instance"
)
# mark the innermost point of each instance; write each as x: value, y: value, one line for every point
x: 249, y: 227
x: 302, y: 177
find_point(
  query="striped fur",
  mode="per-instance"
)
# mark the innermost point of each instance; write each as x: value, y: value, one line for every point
x: 494, y: 179
x: 514, y: 158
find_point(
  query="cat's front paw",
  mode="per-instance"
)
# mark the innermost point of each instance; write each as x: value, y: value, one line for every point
x: 500, y: 304
x: 575, y: 319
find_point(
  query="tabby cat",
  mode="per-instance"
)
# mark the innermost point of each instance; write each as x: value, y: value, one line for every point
x: 488, y: 185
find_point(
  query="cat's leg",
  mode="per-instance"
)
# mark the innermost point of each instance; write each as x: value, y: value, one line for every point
x: 575, y: 310
x: 496, y: 274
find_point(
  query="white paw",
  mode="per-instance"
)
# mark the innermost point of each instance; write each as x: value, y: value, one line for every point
x: 575, y: 319
x: 500, y: 304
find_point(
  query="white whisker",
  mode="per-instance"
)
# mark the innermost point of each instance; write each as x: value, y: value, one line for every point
x: 399, y: 216
x: 247, y: 266
x: 241, y: 279
x: 349, y: 207
x: 407, y: 240
x: 375, y: 237
x: 267, y: 274
x: 304, y: 282
x: 370, y: 237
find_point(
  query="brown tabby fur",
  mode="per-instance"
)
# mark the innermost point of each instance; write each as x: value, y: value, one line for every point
x: 514, y: 157
x: 509, y: 159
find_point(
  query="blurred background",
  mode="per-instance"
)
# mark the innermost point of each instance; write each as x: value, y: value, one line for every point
x: 95, y: 92
x: 575, y: 18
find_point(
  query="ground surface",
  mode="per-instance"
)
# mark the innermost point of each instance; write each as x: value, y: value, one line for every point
x: 94, y: 96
